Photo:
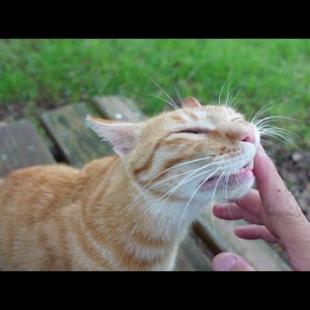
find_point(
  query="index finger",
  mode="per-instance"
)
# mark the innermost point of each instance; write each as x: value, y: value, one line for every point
x: 280, y: 207
x: 274, y: 194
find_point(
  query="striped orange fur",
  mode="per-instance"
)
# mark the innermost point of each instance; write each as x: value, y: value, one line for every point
x: 111, y: 214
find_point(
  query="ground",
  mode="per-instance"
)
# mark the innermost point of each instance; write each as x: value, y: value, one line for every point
x: 39, y: 75
x: 294, y: 168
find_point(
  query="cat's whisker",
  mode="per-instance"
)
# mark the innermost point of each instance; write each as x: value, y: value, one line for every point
x: 194, y: 193
x: 165, y: 100
x: 215, y: 188
x: 160, y: 182
x: 263, y: 110
x: 268, y: 128
x: 280, y: 136
x: 233, y: 103
x: 152, y: 203
x: 255, y: 114
x: 268, y: 122
x: 231, y: 97
x: 178, y: 94
x: 182, y: 182
x: 177, y: 166
x: 228, y: 98
x: 222, y: 88
x: 186, y: 180
x: 145, y: 187
x: 168, y: 194
x: 172, y: 102
x: 185, y: 209
x: 271, y: 129
x: 212, y: 202
x: 191, y: 176
x: 220, y: 96
x: 226, y: 185
x: 219, y: 181
x: 226, y: 192
x: 271, y: 117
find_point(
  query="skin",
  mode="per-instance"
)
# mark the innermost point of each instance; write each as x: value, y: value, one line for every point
x: 273, y: 215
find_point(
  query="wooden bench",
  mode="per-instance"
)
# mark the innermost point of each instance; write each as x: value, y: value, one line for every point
x: 68, y: 140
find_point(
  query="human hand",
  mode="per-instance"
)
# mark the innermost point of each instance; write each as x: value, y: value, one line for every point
x: 274, y: 216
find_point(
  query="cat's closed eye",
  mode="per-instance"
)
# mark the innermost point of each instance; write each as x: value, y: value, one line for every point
x: 237, y: 118
x: 194, y: 131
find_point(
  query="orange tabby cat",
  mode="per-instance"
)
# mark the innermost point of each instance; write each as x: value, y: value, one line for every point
x: 130, y: 211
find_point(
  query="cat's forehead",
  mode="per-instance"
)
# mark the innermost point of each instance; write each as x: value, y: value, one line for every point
x: 210, y: 113
x: 209, y: 117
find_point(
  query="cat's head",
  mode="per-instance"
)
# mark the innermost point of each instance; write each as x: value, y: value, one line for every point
x: 195, y: 153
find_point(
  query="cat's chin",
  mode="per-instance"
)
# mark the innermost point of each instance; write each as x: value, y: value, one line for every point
x: 234, y: 187
x: 245, y: 175
x: 236, y: 192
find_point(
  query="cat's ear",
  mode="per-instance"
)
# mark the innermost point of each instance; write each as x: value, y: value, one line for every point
x: 122, y: 136
x: 191, y: 103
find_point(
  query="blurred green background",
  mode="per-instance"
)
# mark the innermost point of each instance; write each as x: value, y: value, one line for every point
x: 36, y: 75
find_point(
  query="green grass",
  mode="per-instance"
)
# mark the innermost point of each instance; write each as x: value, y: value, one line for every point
x: 34, y: 72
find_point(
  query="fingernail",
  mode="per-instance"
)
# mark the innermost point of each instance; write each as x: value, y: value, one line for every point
x: 227, y: 262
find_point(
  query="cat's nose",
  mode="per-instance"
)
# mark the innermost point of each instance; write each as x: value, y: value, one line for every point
x: 248, y: 135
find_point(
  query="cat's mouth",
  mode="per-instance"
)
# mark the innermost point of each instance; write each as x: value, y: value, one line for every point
x: 243, y: 175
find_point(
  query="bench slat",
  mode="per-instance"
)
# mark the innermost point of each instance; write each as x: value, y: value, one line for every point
x: 21, y: 146
x: 195, y: 251
x: 118, y: 108
x: 67, y: 128
x: 257, y: 252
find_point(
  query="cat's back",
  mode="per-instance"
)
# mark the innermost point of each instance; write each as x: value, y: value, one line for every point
x: 29, y: 194
x: 28, y: 198
x: 41, y: 190
x: 37, y: 207
x: 24, y: 187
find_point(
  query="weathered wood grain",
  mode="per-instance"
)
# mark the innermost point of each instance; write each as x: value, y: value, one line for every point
x: 77, y: 143
x: 195, y: 251
x: 118, y: 108
x: 257, y: 252
x: 183, y: 261
x: 21, y: 146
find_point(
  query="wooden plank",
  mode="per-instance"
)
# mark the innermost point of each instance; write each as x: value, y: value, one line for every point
x: 183, y: 261
x: 195, y: 251
x: 118, y: 108
x: 21, y: 146
x: 257, y: 252
x: 77, y: 143
x: 192, y: 255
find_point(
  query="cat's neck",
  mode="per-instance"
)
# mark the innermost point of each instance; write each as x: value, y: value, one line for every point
x: 113, y: 195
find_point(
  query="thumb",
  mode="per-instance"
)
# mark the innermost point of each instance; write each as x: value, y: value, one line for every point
x: 230, y: 262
